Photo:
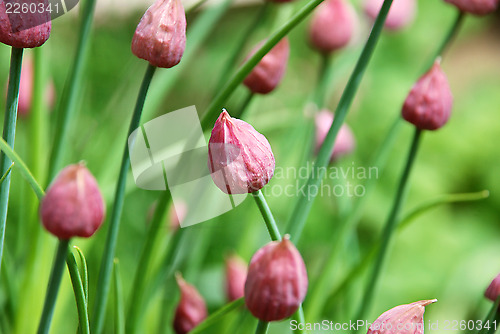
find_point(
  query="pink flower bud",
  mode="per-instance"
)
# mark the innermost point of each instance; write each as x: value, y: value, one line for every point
x: 160, y: 37
x: 401, y: 14
x: 345, y: 142
x: 475, y: 7
x: 277, y: 281
x: 73, y: 205
x: 240, y: 159
x: 332, y: 25
x: 428, y: 105
x: 177, y: 214
x: 236, y: 275
x: 493, y: 290
x: 402, y: 319
x: 191, y: 309
x: 270, y: 70
x: 24, y: 29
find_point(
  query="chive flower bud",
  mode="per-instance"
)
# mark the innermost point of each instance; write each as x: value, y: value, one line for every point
x: 276, y: 284
x: 428, y: 105
x: 160, y: 37
x: 73, y: 205
x: 400, y: 15
x: 240, y: 159
x: 475, y: 7
x: 345, y: 141
x: 236, y: 275
x: 191, y: 309
x: 402, y: 319
x: 268, y: 73
x: 493, y: 290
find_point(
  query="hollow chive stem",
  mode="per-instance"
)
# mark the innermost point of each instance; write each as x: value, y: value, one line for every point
x: 323, y: 78
x: 53, y: 287
x: 389, y: 228
x: 267, y: 215
x: 103, y: 283
x: 79, y: 291
x: 262, y: 327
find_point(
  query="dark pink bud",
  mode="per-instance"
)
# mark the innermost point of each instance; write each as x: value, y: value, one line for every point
x: 160, y: 37
x: 428, y: 105
x: 239, y: 158
x: 268, y: 73
x: 332, y: 25
x: 236, y: 275
x: 475, y: 7
x: 402, y: 319
x: 401, y: 14
x: 493, y: 290
x: 277, y: 281
x: 191, y: 309
x: 73, y: 205
x: 344, y: 143
x: 24, y: 30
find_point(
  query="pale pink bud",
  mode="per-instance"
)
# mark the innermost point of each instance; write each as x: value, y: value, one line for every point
x: 493, y: 290
x: 428, y: 105
x: 73, y: 205
x: 344, y: 143
x: 191, y: 309
x: 332, y: 25
x: 177, y: 214
x: 160, y: 37
x: 401, y: 14
x: 26, y: 29
x: 402, y: 319
x: 276, y: 284
x: 268, y: 73
x: 475, y: 7
x: 239, y: 158
x: 236, y: 275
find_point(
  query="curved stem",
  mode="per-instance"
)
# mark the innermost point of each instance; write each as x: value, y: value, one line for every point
x: 79, y: 290
x: 262, y: 327
x: 452, y: 33
x: 53, y: 288
x: 267, y: 215
x: 114, y: 222
x: 218, y: 315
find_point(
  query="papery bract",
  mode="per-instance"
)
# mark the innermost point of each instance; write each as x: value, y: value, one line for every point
x: 401, y: 14
x: 191, y: 309
x: 475, y: 7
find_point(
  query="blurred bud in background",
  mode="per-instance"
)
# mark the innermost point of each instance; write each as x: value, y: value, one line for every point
x: 493, y: 290
x: 345, y: 141
x: 400, y: 15
x: 236, y: 275
x: 475, y: 7
x: 191, y: 309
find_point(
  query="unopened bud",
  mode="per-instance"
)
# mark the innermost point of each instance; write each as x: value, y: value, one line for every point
x: 475, y: 7
x: 236, y: 275
x: 401, y: 14
x: 191, y: 309
x: 345, y: 141
x: 493, y: 290
x: 177, y: 214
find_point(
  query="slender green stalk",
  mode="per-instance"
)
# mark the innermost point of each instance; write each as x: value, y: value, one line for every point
x: 53, y: 288
x: 267, y: 215
x: 262, y: 327
x: 490, y: 318
x: 218, y: 316
x: 119, y: 309
x: 305, y: 201
x: 72, y: 89
x: 79, y: 290
x: 389, y: 228
x: 9, y: 135
x: 323, y: 78
x: 4, y: 176
x: 114, y: 222
x: 85, y: 273
x: 244, y: 106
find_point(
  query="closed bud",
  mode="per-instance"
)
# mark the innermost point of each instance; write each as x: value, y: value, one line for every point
x: 240, y: 159
x: 160, y: 37
x: 401, y: 14
x: 177, y: 214
x: 332, y: 26
x: 475, y: 7
x: 191, y: 309
x: 73, y: 205
x: 493, y: 290
x: 276, y: 284
x: 402, y: 319
x: 344, y: 143
x: 428, y: 105
x: 236, y: 275
x: 268, y: 73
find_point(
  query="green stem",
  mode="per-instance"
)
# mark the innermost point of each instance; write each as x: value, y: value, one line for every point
x: 71, y: 90
x: 218, y: 316
x: 4, y: 176
x: 262, y: 327
x: 492, y: 318
x: 452, y: 33
x: 9, y: 135
x: 267, y: 215
x: 303, y: 207
x: 53, y: 288
x: 103, y: 282
x: 323, y: 78
x: 119, y: 312
x: 389, y: 228
x: 244, y: 106
x: 78, y: 289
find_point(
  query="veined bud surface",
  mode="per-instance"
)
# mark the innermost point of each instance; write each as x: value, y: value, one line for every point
x: 493, y: 290
x: 191, y: 309
x: 345, y: 141
x: 236, y: 275
x: 400, y: 15
x: 475, y: 7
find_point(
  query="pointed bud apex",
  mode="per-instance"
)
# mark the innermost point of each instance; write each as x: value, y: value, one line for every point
x: 402, y: 319
x: 236, y: 275
x: 400, y: 15
x: 475, y: 7
x: 428, y: 105
x: 160, y: 37
x: 240, y: 159
x: 493, y: 290
x: 277, y: 281
x: 344, y: 143
x: 24, y: 29
x: 73, y: 205
x: 191, y: 309
x: 332, y: 25
x: 270, y: 70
